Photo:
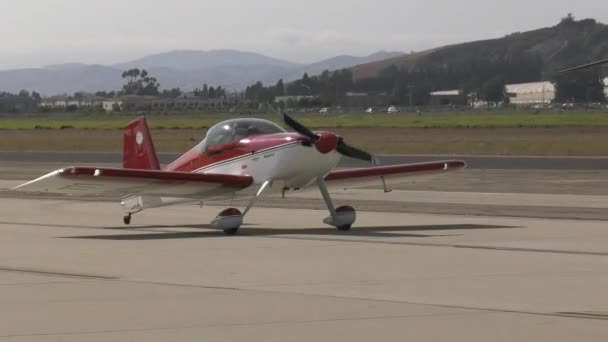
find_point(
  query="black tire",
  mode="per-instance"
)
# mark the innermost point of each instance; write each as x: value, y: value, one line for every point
x: 344, y: 228
x: 232, y: 231
x: 126, y: 219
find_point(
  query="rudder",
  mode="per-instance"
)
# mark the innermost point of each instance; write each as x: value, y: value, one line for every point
x: 138, y: 149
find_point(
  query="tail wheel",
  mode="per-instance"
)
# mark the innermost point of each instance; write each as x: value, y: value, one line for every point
x: 127, y: 219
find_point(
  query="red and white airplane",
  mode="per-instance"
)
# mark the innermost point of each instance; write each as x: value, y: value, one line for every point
x: 237, y: 158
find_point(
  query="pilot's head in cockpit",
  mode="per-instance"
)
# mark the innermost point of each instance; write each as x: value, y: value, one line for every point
x: 244, y: 130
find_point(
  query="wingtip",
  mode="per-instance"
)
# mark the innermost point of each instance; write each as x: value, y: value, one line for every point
x: 48, y: 175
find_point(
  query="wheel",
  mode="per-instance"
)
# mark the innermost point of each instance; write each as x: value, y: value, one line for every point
x: 344, y: 228
x: 127, y: 219
x: 343, y: 220
x: 232, y: 231
x: 229, y: 221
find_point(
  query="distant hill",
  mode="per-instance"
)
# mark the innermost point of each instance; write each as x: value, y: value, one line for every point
x: 185, y: 69
x: 341, y: 62
x: 198, y: 60
x: 61, y: 80
x: 373, y: 68
x: 569, y: 43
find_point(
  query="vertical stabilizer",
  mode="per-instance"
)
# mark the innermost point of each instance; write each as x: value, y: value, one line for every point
x: 139, y: 152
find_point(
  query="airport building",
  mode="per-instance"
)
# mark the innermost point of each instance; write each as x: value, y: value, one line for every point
x: 448, y: 98
x: 112, y: 105
x: 364, y: 100
x: 531, y: 93
x: 134, y: 102
x: 63, y: 102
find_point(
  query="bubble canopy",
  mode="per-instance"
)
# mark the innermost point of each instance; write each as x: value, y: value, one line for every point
x: 235, y: 130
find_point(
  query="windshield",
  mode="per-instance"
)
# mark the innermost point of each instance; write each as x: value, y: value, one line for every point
x: 238, y: 129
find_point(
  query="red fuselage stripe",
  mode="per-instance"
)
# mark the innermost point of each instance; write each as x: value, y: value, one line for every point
x: 196, y: 160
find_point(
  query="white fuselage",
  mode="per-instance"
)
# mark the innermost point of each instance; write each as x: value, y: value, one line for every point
x: 289, y: 166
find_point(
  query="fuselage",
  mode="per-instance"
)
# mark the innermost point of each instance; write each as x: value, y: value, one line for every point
x: 286, y: 158
x: 256, y: 148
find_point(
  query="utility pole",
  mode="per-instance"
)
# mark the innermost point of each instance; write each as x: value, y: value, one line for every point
x: 411, y: 94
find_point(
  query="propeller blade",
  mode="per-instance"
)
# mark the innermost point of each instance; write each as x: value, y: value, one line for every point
x: 298, y: 127
x: 353, y: 152
x: 586, y: 66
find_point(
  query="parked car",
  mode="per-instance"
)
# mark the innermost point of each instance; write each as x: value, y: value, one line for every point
x: 567, y: 105
x: 324, y: 110
x: 369, y: 110
x: 393, y: 109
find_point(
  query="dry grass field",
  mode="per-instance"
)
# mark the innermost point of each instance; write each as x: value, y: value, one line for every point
x: 470, y: 141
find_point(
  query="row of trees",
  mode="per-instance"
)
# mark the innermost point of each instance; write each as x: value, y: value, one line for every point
x: 137, y: 82
x: 330, y: 87
x: 140, y: 82
x: 582, y: 86
x: 485, y: 80
x: 24, y: 101
x: 210, y: 92
x: 481, y: 68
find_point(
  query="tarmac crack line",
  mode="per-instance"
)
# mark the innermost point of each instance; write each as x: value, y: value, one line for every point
x: 37, y: 283
x: 57, y: 274
x: 446, y: 245
x: 438, y: 305
x: 270, y: 323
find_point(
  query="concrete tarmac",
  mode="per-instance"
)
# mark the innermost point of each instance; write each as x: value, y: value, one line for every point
x: 71, y: 271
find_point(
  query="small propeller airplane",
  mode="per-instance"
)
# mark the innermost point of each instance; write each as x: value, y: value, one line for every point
x: 237, y: 158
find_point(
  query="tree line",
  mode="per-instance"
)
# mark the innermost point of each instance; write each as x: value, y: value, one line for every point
x: 480, y: 78
x: 141, y: 83
x: 24, y: 101
x: 480, y: 69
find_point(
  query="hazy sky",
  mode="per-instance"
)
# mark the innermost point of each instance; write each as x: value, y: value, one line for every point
x: 40, y: 32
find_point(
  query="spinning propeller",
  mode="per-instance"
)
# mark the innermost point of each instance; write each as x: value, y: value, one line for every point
x: 326, y: 141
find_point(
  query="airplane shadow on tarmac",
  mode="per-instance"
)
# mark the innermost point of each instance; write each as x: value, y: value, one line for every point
x: 151, y: 233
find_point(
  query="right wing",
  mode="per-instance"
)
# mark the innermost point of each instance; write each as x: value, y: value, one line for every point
x: 119, y: 183
x: 393, y: 174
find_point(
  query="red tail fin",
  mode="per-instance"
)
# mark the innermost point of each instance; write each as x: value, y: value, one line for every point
x: 139, y: 150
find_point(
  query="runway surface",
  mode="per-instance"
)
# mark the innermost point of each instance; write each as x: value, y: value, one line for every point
x: 474, y: 162
x: 467, y: 257
x: 72, y: 272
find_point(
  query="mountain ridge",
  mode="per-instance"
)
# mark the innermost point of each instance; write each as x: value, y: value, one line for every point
x: 185, y: 69
x: 568, y: 43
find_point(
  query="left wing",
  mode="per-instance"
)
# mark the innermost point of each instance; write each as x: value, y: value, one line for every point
x: 385, y: 175
x: 120, y: 183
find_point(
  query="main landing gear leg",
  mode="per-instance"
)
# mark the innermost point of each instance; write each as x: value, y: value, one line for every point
x: 342, y: 217
x: 230, y: 220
